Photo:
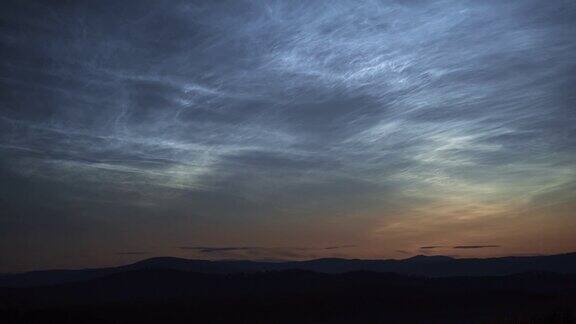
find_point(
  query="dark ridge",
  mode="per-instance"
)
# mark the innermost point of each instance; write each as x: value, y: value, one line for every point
x: 421, y: 265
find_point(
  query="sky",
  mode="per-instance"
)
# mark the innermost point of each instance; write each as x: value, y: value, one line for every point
x: 285, y: 130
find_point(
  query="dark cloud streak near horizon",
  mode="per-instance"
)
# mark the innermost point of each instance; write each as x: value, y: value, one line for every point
x: 458, y: 247
x: 387, y: 124
x: 475, y: 246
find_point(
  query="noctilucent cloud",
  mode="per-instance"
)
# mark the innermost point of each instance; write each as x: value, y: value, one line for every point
x: 280, y: 130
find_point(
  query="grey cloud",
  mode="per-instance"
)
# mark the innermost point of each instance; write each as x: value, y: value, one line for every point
x: 339, y: 247
x: 475, y: 246
x: 431, y: 247
x: 263, y: 253
x: 307, y: 104
x: 204, y: 249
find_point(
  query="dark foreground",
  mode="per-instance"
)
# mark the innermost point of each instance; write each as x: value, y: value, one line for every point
x: 294, y: 296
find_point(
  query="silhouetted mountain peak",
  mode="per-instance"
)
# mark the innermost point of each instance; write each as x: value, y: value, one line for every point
x: 430, y: 266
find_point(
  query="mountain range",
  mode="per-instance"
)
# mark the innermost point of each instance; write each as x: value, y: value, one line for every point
x: 425, y: 266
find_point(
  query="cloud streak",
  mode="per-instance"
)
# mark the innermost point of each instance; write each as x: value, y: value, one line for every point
x: 434, y: 247
x: 475, y: 246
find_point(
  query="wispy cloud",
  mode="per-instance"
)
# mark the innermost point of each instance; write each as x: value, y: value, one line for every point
x: 133, y: 253
x: 475, y: 246
x: 339, y: 247
x: 267, y: 253
x: 205, y: 249
x: 431, y: 247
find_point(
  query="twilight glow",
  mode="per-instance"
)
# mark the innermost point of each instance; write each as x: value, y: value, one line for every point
x: 285, y: 130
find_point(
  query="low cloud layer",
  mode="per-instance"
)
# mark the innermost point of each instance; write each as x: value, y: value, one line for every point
x: 263, y: 253
x: 435, y: 247
x: 203, y: 249
x: 475, y: 246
